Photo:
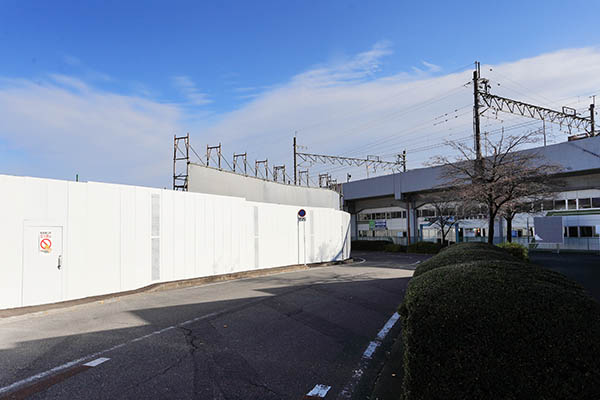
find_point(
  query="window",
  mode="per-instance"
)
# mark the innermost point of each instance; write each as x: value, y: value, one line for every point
x: 572, y: 204
x: 573, y: 231
x: 585, y: 203
x: 595, y: 202
x: 398, y: 214
x: 426, y: 213
x: 559, y: 204
x: 548, y: 205
x: 586, y: 231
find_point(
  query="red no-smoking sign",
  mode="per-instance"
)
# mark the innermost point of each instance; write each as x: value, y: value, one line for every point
x: 45, y: 242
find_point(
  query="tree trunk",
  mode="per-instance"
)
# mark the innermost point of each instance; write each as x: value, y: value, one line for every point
x: 443, y: 235
x: 491, y: 219
x: 509, y: 229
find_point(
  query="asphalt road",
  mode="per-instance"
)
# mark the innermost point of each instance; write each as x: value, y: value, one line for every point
x: 272, y: 337
x: 582, y: 268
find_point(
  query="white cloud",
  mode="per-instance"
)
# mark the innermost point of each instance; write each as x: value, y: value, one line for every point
x: 345, y: 109
x: 362, y: 66
x: 190, y: 91
x: 63, y: 126
x: 432, y: 67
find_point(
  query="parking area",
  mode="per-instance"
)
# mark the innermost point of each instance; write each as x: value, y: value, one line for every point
x: 279, y: 336
x: 582, y: 268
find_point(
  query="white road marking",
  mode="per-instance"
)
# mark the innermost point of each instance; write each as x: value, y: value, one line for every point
x: 70, y: 364
x: 388, y: 325
x: 40, y: 375
x: 370, y: 349
x: 319, y: 391
x: 346, y: 393
x: 96, y: 362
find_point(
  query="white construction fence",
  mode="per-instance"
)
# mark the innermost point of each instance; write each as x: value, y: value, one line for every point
x: 64, y: 240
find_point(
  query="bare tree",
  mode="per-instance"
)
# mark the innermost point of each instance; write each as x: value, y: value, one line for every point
x: 446, y: 212
x: 503, y: 176
x: 510, y: 210
x: 529, y: 205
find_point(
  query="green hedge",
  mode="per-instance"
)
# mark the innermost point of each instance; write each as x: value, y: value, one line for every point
x: 516, y: 250
x: 395, y: 248
x: 463, y: 252
x: 498, y: 329
x: 369, y: 245
x: 424, y: 247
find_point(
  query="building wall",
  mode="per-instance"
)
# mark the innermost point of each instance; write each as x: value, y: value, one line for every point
x: 579, y: 208
x: 213, y: 181
x: 114, y: 235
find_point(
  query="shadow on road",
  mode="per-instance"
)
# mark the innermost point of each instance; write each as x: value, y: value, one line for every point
x: 273, y: 344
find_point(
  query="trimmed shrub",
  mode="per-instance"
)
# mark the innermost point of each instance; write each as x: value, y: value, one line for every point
x: 516, y: 250
x: 395, y: 248
x: 369, y: 245
x: 463, y: 252
x: 424, y: 247
x: 499, y: 330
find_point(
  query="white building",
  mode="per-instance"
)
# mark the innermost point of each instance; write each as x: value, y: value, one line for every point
x: 396, y: 206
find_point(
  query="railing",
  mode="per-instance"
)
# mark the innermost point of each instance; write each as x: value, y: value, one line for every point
x: 580, y: 244
x: 391, y: 239
x: 591, y: 244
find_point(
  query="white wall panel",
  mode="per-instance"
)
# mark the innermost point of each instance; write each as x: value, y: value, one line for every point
x: 107, y: 235
x: 11, y: 240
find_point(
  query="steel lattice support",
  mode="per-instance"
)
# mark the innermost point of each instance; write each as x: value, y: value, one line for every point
x: 181, y: 156
x: 350, y: 161
x: 571, y: 121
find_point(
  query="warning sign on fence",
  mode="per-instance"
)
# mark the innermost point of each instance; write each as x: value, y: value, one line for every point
x: 45, y: 242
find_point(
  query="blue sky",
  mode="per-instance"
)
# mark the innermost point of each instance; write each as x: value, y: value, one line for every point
x: 249, y: 74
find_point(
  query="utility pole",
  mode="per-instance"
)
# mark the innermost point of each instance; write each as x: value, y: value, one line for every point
x: 592, y: 128
x: 295, y: 163
x: 401, y: 159
x: 476, y: 126
x: 544, y: 131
